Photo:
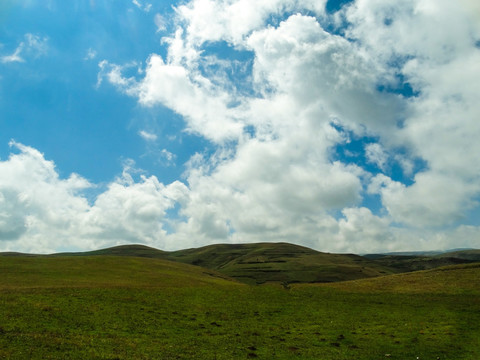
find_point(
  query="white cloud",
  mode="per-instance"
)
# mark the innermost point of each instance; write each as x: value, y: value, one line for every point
x: 31, y: 46
x: 160, y: 23
x: 439, y: 61
x: 147, y: 136
x: 168, y: 156
x: 35, y: 200
x: 132, y: 211
x: 91, y: 54
x: 375, y: 154
x: 113, y: 73
x: 434, y: 199
x: 205, y: 108
x: 41, y: 212
x: 15, y: 57
x: 145, y: 7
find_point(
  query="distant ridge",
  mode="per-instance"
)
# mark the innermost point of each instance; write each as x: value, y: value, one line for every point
x: 418, y: 253
x: 13, y: 253
x: 285, y: 263
x: 137, y: 250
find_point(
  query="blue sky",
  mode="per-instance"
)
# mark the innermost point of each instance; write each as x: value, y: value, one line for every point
x: 184, y: 124
x: 51, y: 101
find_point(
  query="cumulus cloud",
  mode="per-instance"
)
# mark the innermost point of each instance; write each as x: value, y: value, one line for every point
x: 205, y: 108
x: 41, y: 212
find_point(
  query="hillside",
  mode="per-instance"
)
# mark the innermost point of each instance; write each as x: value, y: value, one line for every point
x: 408, y: 263
x: 415, y: 261
x: 102, y: 271
x: 122, y: 250
x: 279, y: 262
x: 471, y: 255
x: 455, y: 279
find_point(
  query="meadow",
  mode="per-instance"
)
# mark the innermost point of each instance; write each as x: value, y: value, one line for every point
x: 108, y: 307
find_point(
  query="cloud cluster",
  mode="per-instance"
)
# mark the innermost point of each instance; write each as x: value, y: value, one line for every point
x: 41, y: 212
x: 298, y: 84
x: 305, y: 80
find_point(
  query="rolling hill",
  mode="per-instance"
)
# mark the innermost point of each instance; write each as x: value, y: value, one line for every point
x: 284, y: 263
x: 260, y: 263
x: 279, y: 262
x: 407, y: 262
x: 102, y: 271
x: 453, y: 279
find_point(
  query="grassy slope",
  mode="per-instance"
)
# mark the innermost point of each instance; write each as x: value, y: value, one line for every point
x: 453, y: 280
x: 473, y: 255
x: 277, y: 262
x: 107, y: 307
x: 123, y: 250
x: 101, y: 271
x: 407, y: 263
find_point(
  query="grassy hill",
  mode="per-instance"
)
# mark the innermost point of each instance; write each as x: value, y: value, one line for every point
x: 261, y: 262
x: 279, y: 262
x: 102, y: 271
x: 408, y: 263
x: 470, y: 255
x: 135, y: 250
x: 454, y: 279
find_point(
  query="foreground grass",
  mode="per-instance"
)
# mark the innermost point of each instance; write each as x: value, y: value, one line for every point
x: 75, y: 314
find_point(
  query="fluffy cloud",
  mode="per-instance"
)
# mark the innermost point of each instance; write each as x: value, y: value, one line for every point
x: 439, y: 62
x: 41, y: 212
x: 376, y: 155
x: 205, y: 108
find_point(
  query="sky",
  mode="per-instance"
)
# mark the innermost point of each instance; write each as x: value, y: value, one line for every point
x: 344, y: 126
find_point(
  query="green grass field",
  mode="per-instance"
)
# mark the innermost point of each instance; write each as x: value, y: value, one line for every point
x: 107, y: 307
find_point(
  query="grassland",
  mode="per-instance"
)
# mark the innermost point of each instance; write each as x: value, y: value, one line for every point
x: 110, y: 307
